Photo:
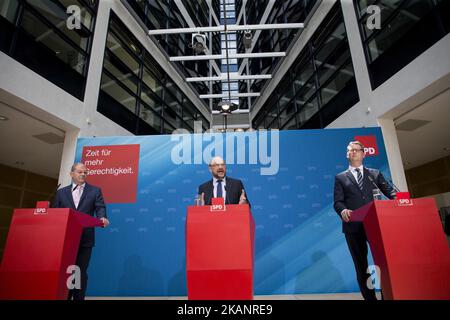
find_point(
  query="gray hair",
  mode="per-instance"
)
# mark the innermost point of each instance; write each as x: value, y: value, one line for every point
x: 214, y: 160
x: 75, y: 165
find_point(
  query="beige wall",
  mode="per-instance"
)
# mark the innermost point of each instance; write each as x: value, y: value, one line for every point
x: 429, y: 179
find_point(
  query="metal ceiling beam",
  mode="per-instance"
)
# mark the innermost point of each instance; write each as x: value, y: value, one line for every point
x: 230, y: 56
x: 225, y: 95
x: 238, y: 111
x: 230, y: 28
x: 232, y: 78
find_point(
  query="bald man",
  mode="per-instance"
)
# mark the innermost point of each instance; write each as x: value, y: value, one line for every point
x: 88, y: 199
x: 232, y: 190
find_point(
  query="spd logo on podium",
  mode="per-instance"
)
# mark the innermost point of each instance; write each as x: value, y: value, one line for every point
x: 41, y: 207
x: 40, y: 211
x: 404, y: 202
x: 217, y: 204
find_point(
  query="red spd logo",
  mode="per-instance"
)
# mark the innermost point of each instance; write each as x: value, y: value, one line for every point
x: 370, y: 144
x: 217, y: 207
x: 40, y: 211
x: 405, y: 202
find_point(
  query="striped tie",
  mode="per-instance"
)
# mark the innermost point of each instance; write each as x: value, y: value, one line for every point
x: 360, y: 178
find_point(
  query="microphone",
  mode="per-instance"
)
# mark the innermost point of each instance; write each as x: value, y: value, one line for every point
x: 373, y: 182
x: 375, y: 196
x: 392, y: 184
x: 53, y: 193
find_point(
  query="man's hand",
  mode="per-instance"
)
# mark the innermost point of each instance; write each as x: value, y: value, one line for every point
x: 243, y: 198
x: 345, y: 214
x: 105, y: 222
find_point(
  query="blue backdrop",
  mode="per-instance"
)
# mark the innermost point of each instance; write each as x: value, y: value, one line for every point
x: 299, y: 244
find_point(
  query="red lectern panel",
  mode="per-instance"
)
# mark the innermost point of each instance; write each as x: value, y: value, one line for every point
x: 39, y: 248
x: 219, y: 253
x: 408, y: 244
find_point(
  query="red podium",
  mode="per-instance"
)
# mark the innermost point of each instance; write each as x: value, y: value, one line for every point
x: 408, y: 244
x: 41, y: 244
x: 219, y: 252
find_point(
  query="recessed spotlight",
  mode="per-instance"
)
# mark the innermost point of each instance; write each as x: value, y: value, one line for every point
x: 406, y: 163
x: 3, y: 118
x: 133, y: 46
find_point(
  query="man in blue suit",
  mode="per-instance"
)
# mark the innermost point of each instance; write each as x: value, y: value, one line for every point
x: 221, y: 186
x: 88, y: 199
x: 353, y: 188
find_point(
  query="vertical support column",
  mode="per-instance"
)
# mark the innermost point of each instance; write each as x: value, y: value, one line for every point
x: 393, y: 153
x: 96, y: 59
x: 357, y: 52
x: 68, y: 156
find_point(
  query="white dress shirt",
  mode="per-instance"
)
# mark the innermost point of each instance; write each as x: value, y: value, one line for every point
x: 354, y: 173
x: 224, y: 191
x: 77, y: 192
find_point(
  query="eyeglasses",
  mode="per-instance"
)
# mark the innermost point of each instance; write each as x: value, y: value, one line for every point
x: 355, y: 150
x: 217, y: 165
x: 82, y: 172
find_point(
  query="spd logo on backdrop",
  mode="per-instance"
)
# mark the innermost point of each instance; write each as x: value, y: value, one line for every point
x: 370, y: 144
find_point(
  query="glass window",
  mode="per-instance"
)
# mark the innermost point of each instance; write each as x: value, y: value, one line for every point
x: 149, y: 117
x: 151, y: 82
x: 323, y: 67
x: 396, y: 28
x: 337, y: 83
x: 86, y: 16
x: 329, y: 67
x: 123, y: 55
x: 408, y: 28
x: 308, y: 110
x: 36, y: 34
x: 61, y: 49
x: 8, y: 9
x: 287, y: 93
x: 330, y: 44
x: 122, y: 73
x: 304, y: 74
x: 113, y: 89
x: 291, y: 124
x: 129, y: 69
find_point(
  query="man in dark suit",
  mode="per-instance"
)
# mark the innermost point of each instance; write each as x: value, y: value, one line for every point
x: 88, y: 199
x: 232, y: 190
x: 353, y: 188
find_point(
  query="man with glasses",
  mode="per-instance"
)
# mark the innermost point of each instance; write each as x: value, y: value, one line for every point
x: 88, y: 199
x: 353, y: 188
x: 221, y: 186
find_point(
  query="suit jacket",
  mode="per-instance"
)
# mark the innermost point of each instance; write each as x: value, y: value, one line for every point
x: 91, y: 203
x: 234, y: 189
x: 347, y: 194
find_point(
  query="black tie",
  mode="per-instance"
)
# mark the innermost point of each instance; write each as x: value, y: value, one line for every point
x: 219, y: 188
x: 360, y: 178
